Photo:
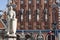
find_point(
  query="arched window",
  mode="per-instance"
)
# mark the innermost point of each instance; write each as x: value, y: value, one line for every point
x: 45, y: 1
x: 22, y: 27
x: 21, y: 12
x: 37, y: 12
x: 58, y: 1
x: 30, y: 1
x: 22, y: 2
x: 21, y: 17
x: 46, y: 13
x: 37, y: 1
x: 29, y: 14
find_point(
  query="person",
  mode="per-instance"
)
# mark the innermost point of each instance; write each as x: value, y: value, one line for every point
x: 51, y: 35
x: 40, y: 37
x: 28, y: 36
x: 22, y: 36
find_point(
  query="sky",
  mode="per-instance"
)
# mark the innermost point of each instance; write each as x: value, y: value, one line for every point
x: 3, y: 5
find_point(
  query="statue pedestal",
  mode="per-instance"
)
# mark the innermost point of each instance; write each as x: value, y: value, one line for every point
x: 12, y: 26
x: 10, y: 37
x: 12, y: 30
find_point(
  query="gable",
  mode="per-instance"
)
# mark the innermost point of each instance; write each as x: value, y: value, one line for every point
x: 1, y: 25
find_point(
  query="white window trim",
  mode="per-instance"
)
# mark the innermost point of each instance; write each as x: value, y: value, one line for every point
x: 22, y: 2
x: 29, y: 16
x: 37, y: 2
x: 45, y: 1
x: 21, y: 17
x: 37, y: 17
x: 30, y: 2
x: 22, y: 10
x: 46, y: 17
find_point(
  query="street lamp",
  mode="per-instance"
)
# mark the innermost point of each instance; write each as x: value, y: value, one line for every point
x: 54, y: 24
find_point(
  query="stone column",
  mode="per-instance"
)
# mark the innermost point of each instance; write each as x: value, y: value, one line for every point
x: 50, y: 14
x: 41, y: 15
x: 34, y: 14
x: 18, y: 13
x: 26, y: 14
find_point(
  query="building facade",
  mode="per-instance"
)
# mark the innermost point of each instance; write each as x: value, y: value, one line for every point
x: 37, y: 14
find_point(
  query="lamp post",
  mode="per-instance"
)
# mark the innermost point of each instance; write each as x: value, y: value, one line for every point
x: 54, y: 27
x: 54, y: 24
x: 58, y: 4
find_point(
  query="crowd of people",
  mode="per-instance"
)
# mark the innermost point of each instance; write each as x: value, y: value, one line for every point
x: 34, y: 36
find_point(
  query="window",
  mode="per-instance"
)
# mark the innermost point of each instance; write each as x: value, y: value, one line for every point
x: 59, y: 9
x: 59, y: 20
x: 29, y: 26
x: 21, y: 17
x: 45, y: 1
x: 30, y: 1
x: 46, y: 17
x: 46, y: 11
x: 37, y: 12
x: 22, y: 27
x: 30, y: 17
x: 38, y: 26
x: 58, y: 13
x: 29, y: 14
x: 38, y: 1
x: 58, y: 1
x: 29, y: 11
x: 22, y: 1
x: 37, y: 17
x: 22, y: 11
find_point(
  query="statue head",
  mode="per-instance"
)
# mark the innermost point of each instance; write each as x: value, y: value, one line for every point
x: 10, y: 8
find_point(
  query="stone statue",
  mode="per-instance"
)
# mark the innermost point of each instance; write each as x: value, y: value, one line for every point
x: 11, y: 21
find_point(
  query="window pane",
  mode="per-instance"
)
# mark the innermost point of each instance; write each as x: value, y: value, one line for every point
x: 22, y: 1
x: 38, y: 1
x: 22, y: 10
x: 45, y: 12
x: 37, y: 11
x: 46, y: 17
x: 21, y: 17
x: 29, y: 10
x: 30, y: 17
x: 30, y: 1
x: 37, y: 17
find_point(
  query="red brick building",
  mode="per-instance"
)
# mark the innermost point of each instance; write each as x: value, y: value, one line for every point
x: 36, y: 14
